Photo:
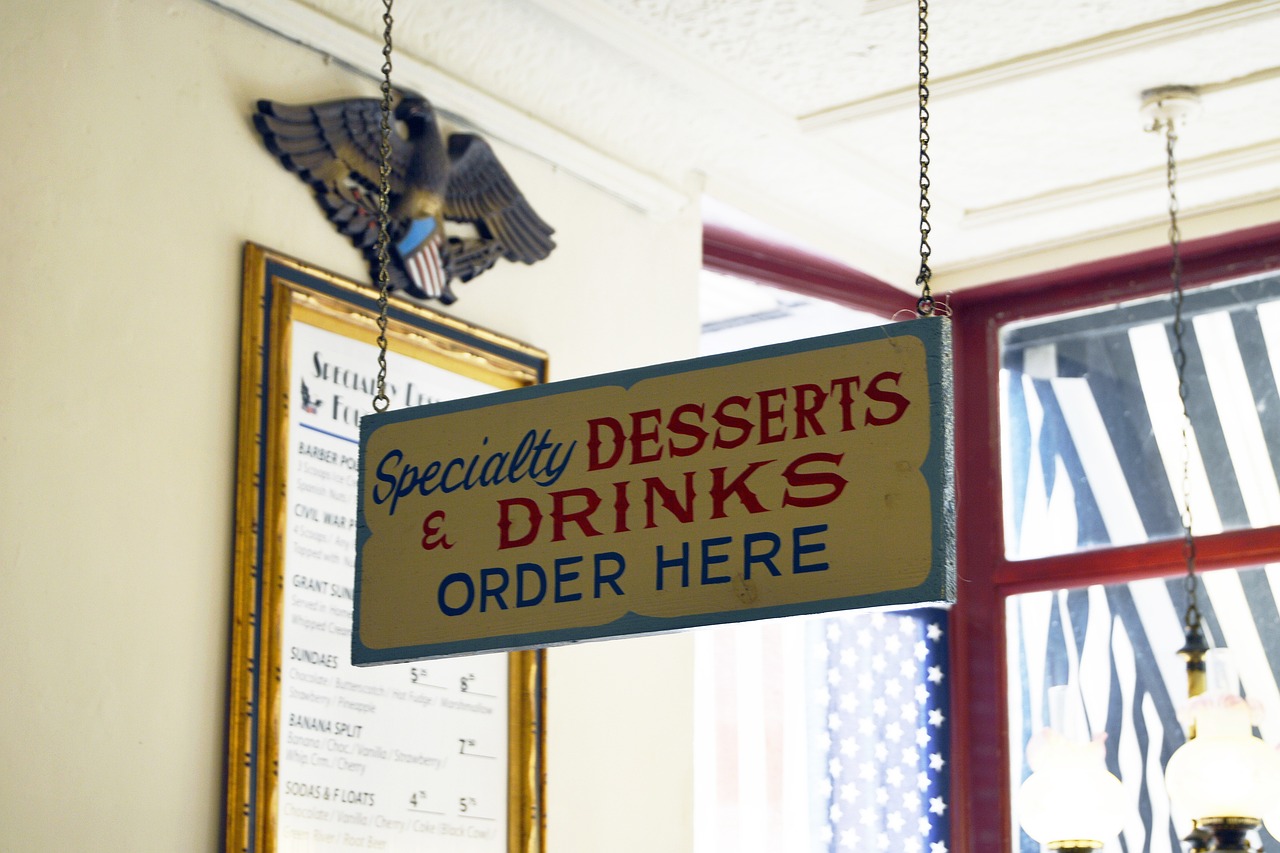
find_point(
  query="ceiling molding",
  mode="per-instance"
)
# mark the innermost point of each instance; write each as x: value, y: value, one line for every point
x: 477, y: 109
x: 1200, y: 168
x: 1262, y: 75
x: 1226, y: 16
x: 1205, y: 221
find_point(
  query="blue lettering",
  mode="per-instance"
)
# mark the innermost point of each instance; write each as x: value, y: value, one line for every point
x: 682, y: 562
x: 610, y: 579
x: 445, y: 485
x: 468, y: 587
x: 493, y: 477
x: 389, y: 479
x: 709, y: 559
x: 428, y: 474
x: 799, y: 549
x: 749, y: 555
x: 566, y: 577
x: 523, y: 570
x: 536, y: 457
x: 495, y: 592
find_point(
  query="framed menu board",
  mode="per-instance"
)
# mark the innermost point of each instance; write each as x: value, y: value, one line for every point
x: 323, y: 756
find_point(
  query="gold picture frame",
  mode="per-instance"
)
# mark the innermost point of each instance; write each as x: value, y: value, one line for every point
x: 401, y: 723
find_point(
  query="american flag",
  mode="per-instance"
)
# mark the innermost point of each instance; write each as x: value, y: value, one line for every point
x: 883, y: 736
x: 824, y: 734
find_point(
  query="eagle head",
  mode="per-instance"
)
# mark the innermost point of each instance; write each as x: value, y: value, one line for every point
x: 416, y: 113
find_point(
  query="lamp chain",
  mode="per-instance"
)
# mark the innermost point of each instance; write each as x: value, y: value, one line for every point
x: 1192, y: 616
x: 925, y: 305
x: 380, y: 400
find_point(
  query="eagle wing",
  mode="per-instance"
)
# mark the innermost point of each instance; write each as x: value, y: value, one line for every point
x: 335, y: 147
x: 332, y: 141
x: 480, y: 191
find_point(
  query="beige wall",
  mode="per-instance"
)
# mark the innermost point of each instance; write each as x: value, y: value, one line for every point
x: 132, y: 178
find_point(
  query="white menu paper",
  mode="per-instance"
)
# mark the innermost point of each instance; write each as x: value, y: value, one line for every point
x: 398, y: 757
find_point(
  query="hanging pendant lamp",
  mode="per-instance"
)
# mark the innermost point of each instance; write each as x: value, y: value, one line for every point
x: 1223, y: 779
x: 1070, y: 803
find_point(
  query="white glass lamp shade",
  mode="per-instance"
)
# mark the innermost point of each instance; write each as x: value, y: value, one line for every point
x: 1224, y: 771
x: 1070, y: 799
x: 1271, y: 817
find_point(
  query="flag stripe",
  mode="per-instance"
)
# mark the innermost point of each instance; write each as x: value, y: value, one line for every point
x: 1242, y: 431
x: 1266, y: 396
x: 1210, y: 436
x: 422, y: 260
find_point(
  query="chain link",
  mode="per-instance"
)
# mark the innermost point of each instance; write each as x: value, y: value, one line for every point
x: 380, y: 400
x: 1190, y: 582
x: 925, y: 306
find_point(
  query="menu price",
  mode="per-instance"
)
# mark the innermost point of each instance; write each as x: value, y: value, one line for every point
x: 398, y: 757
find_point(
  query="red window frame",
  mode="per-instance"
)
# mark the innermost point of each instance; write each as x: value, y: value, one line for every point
x: 980, y: 755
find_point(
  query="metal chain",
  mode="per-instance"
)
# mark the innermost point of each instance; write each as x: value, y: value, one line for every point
x: 1191, y: 584
x: 380, y: 400
x: 925, y: 306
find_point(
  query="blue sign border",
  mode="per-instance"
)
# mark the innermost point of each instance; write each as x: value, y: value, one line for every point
x: 939, y: 586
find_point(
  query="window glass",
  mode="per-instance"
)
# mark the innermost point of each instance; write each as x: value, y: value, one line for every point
x: 816, y: 733
x: 824, y: 734
x: 737, y: 313
x: 1092, y: 430
x: 1115, y: 647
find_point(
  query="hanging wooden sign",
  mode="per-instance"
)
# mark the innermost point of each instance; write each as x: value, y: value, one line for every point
x: 799, y: 478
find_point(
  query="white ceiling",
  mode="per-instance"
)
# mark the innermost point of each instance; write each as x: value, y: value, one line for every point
x: 798, y: 117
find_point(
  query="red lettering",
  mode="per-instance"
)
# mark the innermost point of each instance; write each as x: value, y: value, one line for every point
x: 898, y: 401
x: 639, y: 436
x: 432, y: 536
x: 769, y: 415
x: 594, y: 444
x: 797, y: 479
x: 620, y: 507
x: 581, y: 517
x: 720, y: 490
x: 679, y: 426
x: 807, y: 412
x: 789, y: 412
x: 846, y: 399
x: 655, y: 488
x: 534, y: 520
x: 742, y: 425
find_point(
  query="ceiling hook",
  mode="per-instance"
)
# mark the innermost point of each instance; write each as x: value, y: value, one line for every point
x: 1166, y: 106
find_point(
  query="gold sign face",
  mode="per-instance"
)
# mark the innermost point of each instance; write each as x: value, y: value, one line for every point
x: 800, y: 478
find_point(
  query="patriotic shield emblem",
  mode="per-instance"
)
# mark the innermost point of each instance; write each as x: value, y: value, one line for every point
x: 420, y: 251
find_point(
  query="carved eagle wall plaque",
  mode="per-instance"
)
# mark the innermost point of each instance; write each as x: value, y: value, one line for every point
x: 454, y: 209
